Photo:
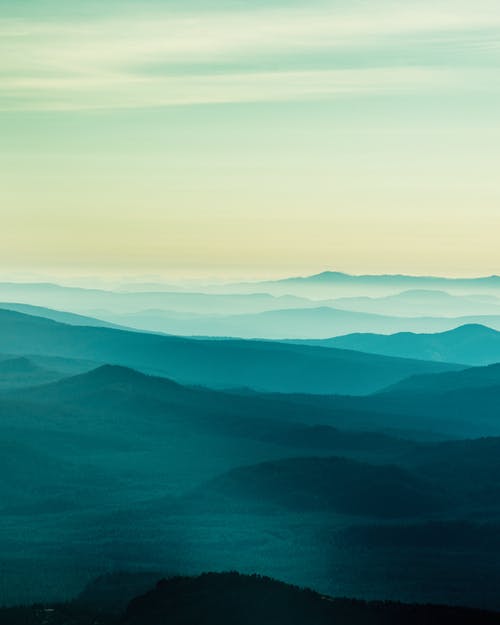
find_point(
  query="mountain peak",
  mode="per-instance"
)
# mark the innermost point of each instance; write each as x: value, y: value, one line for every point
x: 474, y: 328
x: 113, y: 373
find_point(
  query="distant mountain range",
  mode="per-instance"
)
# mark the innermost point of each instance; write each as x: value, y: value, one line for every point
x: 260, y: 365
x: 364, y: 465
x: 335, y: 283
x: 257, y: 314
x: 95, y: 301
x: 293, y: 323
x: 418, y: 302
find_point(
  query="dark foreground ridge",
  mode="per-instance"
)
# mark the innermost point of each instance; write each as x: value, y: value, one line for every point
x: 235, y: 599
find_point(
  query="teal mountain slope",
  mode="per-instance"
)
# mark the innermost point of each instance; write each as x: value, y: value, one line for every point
x: 471, y: 344
x: 261, y: 365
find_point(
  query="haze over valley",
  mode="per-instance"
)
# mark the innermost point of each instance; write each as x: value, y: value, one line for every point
x: 138, y: 450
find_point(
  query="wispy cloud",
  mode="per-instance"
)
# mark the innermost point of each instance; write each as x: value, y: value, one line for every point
x: 104, y: 62
x: 137, y: 92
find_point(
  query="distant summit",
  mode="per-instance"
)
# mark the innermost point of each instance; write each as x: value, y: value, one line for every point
x: 339, y: 275
x: 337, y: 284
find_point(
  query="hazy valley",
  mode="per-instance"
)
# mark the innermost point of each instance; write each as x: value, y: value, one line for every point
x: 363, y: 465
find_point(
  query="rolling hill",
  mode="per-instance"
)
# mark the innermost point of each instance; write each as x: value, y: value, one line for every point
x: 91, y: 301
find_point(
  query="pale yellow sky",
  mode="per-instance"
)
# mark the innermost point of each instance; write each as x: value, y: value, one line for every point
x: 266, y: 141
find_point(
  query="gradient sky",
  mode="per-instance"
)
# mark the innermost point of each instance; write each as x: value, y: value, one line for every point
x: 250, y: 138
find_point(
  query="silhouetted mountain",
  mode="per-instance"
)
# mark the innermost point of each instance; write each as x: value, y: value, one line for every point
x: 230, y: 364
x: 471, y: 344
x: 236, y: 599
x: 334, y: 484
x: 233, y: 599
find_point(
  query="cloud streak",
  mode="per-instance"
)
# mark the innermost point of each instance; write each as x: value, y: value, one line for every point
x: 104, y: 63
x: 136, y: 92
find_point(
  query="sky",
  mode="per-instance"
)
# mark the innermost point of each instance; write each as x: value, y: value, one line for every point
x: 249, y: 139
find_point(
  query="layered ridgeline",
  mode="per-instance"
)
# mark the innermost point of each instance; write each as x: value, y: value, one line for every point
x: 222, y: 364
x: 455, y: 404
x: 113, y: 466
x: 359, y: 474
x: 372, y: 293
x: 255, y: 313
x: 312, y: 322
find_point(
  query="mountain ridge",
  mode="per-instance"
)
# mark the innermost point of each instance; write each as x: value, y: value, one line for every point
x: 263, y: 365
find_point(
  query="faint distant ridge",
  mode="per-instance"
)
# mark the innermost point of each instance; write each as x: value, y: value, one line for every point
x: 339, y: 276
x: 472, y: 344
x: 328, y: 284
